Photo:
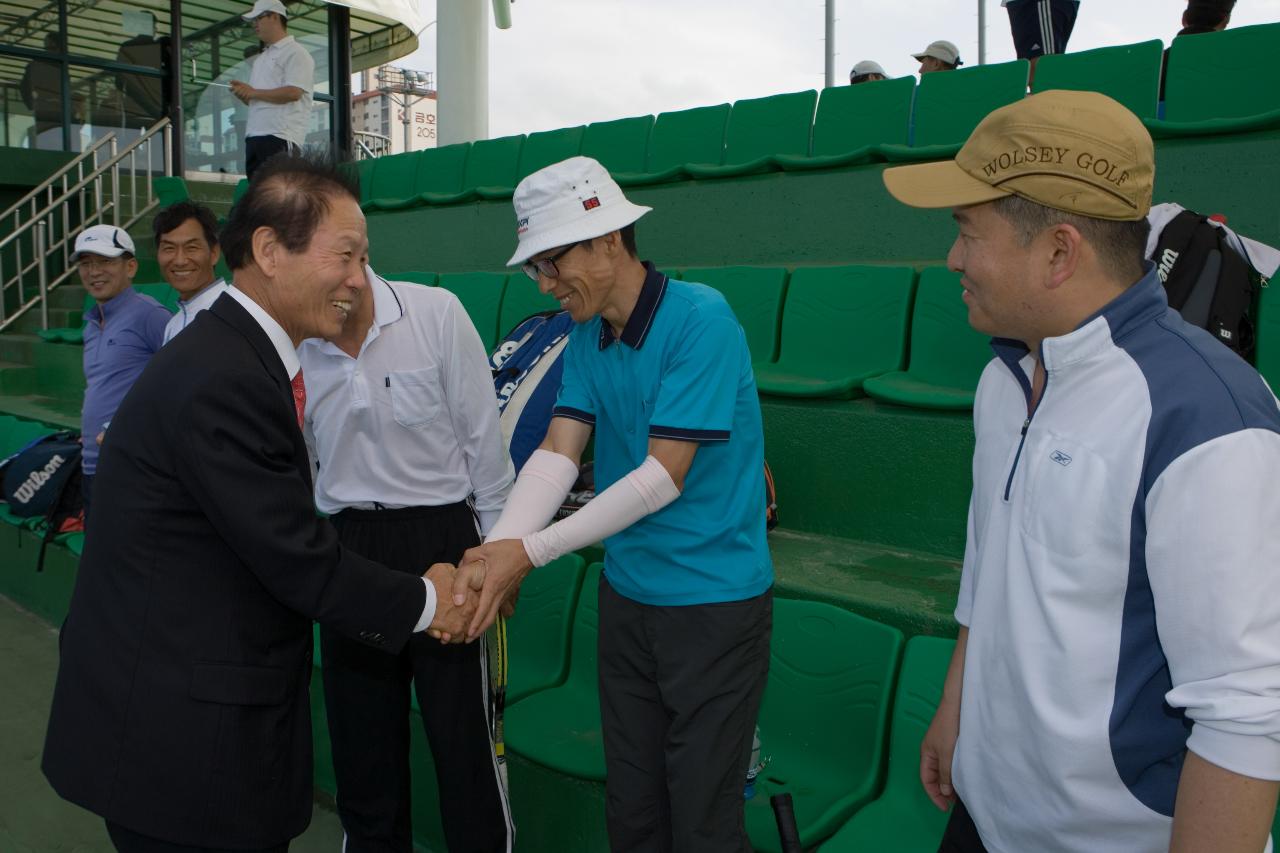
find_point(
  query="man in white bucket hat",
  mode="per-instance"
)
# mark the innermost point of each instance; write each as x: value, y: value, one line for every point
x: 661, y: 371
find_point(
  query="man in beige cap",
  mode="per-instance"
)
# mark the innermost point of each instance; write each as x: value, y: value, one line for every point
x: 659, y: 369
x: 940, y: 55
x: 1114, y: 682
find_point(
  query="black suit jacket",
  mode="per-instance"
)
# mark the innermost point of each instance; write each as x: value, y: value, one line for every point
x: 181, y: 709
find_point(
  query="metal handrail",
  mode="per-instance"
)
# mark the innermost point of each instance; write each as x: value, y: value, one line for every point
x: 41, y: 221
x: 91, y: 151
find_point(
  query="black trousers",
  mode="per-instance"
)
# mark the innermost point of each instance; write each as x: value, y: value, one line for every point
x: 86, y: 491
x: 366, y: 694
x: 128, y: 841
x: 680, y: 689
x: 961, y: 835
x: 260, y: 149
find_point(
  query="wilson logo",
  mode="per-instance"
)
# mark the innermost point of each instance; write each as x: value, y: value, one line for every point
x: 1061, y: 458
x: 1167, y: 260
x: 37, y: 478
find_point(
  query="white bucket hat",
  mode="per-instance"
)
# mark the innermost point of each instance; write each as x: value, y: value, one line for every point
x: 105, y: 240
x: 566, y: 203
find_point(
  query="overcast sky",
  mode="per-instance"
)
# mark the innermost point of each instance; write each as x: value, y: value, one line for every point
x: 569, y: 62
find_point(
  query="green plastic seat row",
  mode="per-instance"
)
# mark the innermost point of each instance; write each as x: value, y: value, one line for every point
x: 495, y: 302
x: 827, y: 665
x: 840, y: 326
x: 792, y: 324
x: 903, y: 818
x: 947, y: 356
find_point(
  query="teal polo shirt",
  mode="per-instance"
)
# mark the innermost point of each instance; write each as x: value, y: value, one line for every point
x: 681, y: 370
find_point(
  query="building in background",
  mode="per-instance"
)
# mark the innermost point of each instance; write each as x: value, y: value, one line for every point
x: 395, y: 111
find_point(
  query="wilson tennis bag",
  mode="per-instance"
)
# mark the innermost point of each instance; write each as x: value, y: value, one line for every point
x: 42, y: 480
x: 1207, y: 281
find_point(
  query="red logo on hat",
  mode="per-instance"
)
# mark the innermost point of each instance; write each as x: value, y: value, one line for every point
x: 590, y: 203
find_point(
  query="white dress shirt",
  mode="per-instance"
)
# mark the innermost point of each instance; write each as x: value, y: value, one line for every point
x: 289, y: 358
x: 285, y: 63
x: 413, y: 419
x: 189, y: 308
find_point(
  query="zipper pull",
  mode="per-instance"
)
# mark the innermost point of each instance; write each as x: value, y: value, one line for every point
x: 1025, y: 424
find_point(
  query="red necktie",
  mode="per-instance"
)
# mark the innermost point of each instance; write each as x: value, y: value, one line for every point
x: 299, y: 396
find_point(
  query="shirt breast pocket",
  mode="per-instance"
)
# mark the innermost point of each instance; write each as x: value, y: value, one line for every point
x: 416, y: 398
x: 1066, y: 509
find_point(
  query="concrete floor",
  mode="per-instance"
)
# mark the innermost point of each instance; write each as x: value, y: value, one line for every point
x: 33, y: 819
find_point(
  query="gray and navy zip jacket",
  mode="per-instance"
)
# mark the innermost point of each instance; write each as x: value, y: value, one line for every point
x: 1121, y: 581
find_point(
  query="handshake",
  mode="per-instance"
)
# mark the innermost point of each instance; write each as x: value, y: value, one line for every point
x: 470, y: 596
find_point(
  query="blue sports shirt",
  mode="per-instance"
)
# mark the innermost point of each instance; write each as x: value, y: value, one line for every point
x: 681, y: 370
x: 120, y: 336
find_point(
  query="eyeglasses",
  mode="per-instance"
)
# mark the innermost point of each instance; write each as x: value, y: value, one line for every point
x: 98, y: 263
x: 547, y: 266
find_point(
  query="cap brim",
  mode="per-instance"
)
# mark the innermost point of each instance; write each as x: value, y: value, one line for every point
x: 938, y: 185
x: 113, y: 253
x: 574, y: 232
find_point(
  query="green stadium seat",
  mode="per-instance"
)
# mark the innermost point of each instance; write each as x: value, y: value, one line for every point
x: 840, y: 326
x: 550, y: 146
x: 521, y: 299
x: 490, y: 163
x: 439, y: 172
x: 854, y: 121
x: 169, y: 190
x: 427, y: 278
x: 559, y: 727
x: 1130, y: 73
x: 755, y: 294
x: 947, y: 356
x: 69, y: 334
x: 760, y: 129
x: 392, y: 178
x: 75, y: 543
x: 824, y: 718
x: 684, y: 136
x: 1226, y: 75
x: 539, y: 631
x: 619, y: 145
x: 362, y: 171
x: 903, y: 818
x: 949, y: 106
x: 17, y: 433
x: 540, y: 149
x: 161, y: 292
x: 480, y: 294
x: 242, y: 187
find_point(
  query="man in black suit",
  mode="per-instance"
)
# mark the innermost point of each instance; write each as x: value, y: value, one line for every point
x: 181, y: 710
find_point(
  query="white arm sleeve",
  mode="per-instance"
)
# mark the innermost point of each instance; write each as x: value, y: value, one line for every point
x: 539, y: 491
x: 645, y: 490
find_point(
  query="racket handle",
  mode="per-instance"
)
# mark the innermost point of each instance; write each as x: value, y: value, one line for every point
x: 784, y: 813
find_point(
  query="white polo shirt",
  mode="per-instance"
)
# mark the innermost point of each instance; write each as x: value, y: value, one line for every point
x: 285, y: 63
x: 413, y: 419
x: 189, y: 308
x: 283, y: 346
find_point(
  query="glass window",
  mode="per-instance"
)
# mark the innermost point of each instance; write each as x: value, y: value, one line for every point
x: 32, y: 101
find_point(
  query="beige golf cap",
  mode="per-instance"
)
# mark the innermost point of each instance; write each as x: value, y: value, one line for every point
x: 1080, y: 152
x: 941, y: 50
x: 568, y: 202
